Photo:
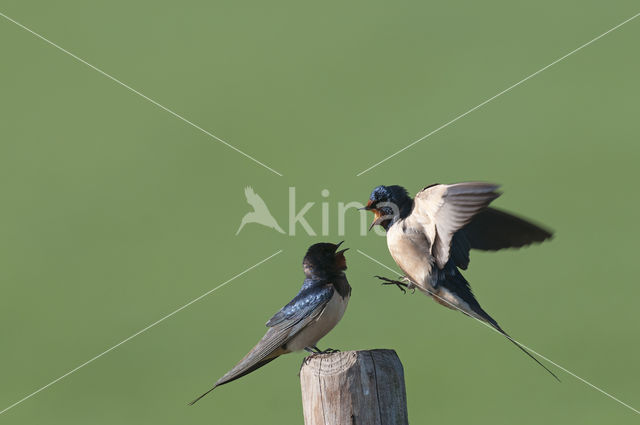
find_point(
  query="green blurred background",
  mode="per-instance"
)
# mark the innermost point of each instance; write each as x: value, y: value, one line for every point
x: 115, y: 213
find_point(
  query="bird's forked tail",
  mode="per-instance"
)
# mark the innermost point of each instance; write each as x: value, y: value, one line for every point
x: 497, y: 327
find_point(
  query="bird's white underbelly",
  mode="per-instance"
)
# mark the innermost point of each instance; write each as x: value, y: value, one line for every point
x: 327, y: 320
x: 412, y: 253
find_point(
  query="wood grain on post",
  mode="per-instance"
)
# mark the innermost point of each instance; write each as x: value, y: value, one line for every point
x: 354, y: 387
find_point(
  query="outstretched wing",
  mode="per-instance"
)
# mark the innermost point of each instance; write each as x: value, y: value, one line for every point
x: 254, y: 199
x: 448, y: 208
x: 283, y: 326
x: 492, y: 229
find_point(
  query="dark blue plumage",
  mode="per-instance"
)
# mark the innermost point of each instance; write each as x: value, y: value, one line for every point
x: 309, y: 316
x: 430, y: 237
x: 314, y: 293
x: 450, y: 278
x: 389, y: 200
x: 393, y: 193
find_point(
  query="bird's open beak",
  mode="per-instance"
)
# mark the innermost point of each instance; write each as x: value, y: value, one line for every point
x: 378, y: 219
x: 367, y: 207
x: 376, y: 213
x: 341, y: 262
x: 341, y: 252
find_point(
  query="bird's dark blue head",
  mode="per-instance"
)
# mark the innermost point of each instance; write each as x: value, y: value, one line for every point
x: 389, y: 203
x: 324, y: 260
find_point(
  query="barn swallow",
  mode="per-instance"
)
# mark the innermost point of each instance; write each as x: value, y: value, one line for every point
x: 430, y: 236
x: 316, y: 310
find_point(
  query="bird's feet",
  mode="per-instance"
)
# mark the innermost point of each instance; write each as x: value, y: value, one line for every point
x: 306, y: 361
x: 401, y: 285
x: 312, y: 350
x: 315, y: 351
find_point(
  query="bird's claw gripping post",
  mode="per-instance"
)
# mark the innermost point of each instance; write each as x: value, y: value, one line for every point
x: 401, y: 285
x: 316, y: 351
x: 306, y: 361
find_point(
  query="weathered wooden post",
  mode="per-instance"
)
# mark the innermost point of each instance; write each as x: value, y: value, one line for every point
x: 354, y: 388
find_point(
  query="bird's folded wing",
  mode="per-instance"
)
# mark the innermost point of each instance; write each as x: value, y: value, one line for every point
x: 259, y: 355
x: 283, y: 326
x: 449, y: 208
x: 287, y: 322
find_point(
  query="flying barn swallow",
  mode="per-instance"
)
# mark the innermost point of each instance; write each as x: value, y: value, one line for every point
x: 316, y: 310
x: 430, y: 236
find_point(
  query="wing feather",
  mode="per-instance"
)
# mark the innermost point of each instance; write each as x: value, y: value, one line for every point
x: 492, y: 229
x: 283, y: 326
x: 449, y: 208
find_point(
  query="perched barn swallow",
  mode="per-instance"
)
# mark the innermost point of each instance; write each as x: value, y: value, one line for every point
x: 307, y: 318
x: 430, y: 236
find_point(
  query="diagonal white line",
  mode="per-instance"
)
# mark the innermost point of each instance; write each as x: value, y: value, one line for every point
x: 499, y: 94
x: 140, y: 94
x: 528, y: 348
x: 139, y: 332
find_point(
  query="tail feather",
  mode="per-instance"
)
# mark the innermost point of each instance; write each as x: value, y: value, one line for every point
x: 451, y: 280
x: 524, y: 350
x: 194, y: 401
x: 233, y: 375
x: 497, y: 327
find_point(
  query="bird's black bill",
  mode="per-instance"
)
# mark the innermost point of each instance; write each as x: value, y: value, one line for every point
x: 367, y: 207
x: 341, y: 252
